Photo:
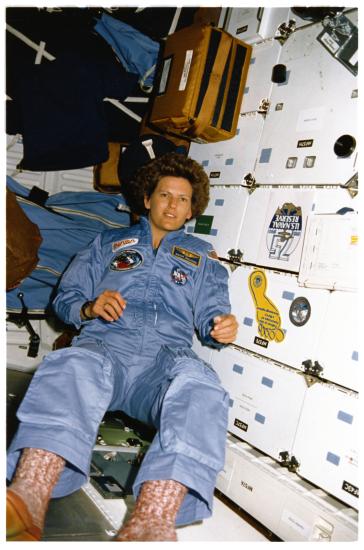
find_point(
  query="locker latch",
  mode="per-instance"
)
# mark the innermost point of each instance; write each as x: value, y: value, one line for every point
x: 264, y: 106
x: 314, y: 369
x: 291, y: 463
x: 235, y: 256
x: 250, y: 182
x: 285, y: 30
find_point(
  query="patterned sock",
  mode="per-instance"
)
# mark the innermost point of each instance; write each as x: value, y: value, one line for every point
x: 154, y: 516
x: 37, y: 473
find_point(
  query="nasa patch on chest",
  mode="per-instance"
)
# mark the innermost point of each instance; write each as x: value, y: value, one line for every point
x: 126, y: 259
x: 178, y: 276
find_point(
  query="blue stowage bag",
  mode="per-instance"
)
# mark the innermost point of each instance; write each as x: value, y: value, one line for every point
x: 138, y: 53
x: 68, y: 222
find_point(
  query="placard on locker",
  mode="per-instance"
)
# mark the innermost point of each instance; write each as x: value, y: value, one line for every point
x: 330, y: 252
x: 277, y: 318
x: 265, y: 399
x: 273, y: 231
x: 309, y: 135
x: 222, y: 220
x: 329, y: 421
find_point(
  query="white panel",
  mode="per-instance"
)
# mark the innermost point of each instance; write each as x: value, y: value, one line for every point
x: 326, y: 444
x: 339, y: 344
x: 223, y: 218
x: 227, y: 162
x: 330, y: 253
x: 308, y: 113
x: 270, y: 236
x: 265, y: 399
x: 224, y: 476
x: 290, y: 317
x: 259, y: 81
x: 255, y: 485
x: 290, y: 507
x: 273, y: 229
x: 313, y: 515
x: 253, y: 24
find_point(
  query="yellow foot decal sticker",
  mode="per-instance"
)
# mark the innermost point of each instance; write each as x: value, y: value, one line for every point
x: 268, y: 318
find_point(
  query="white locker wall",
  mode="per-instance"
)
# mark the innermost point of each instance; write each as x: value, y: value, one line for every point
x: 304, y: 123
x: 267, y: 304
x: 327, y: 441
x: 222, y: 220
x: 265, y: 399
x: 289, y: 506
x: 275, y: 220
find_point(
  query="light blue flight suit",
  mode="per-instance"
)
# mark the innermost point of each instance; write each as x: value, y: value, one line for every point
x: 142, y: 364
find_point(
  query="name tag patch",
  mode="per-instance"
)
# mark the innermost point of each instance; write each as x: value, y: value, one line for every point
x: 127, y: 259
x: 186, y: 256
x: 122, y: 244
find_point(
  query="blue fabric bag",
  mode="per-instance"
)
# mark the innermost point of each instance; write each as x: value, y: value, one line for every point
x: 138, y: 53
x: 68, y: 222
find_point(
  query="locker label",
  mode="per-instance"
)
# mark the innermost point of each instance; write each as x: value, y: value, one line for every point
x: 261, y: 342
x: 239, y: 30
x: 240, y: 424
x: 351, y: 489
x: 305, y: 143
x: 267, y: 314
x: 246, y: 485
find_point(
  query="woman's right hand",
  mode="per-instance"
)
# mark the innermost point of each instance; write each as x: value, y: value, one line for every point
x: 109, y: 305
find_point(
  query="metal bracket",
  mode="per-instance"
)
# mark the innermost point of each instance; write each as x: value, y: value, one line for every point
x: 250, y: 182
x: 352, y: 185
x: 264, y: 106
x: 312, y: 369
x: 235, y: 256
x: 291, y: 463
x: 285, y: 30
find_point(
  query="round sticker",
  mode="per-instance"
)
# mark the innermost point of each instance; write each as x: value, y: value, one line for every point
x: 126, y: 259
x: 300, y: 311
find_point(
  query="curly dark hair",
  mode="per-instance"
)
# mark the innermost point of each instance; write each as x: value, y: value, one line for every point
x: 146, y: 179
